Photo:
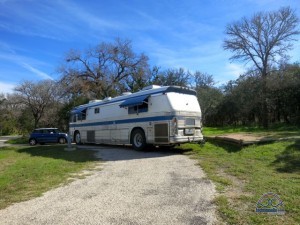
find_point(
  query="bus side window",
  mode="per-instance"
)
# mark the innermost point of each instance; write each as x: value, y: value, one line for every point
x: 138, y: 109
x: 133, y: 109
x: 96, y: 110
x: 73, y: 118
x: 83, y: 115
x: 143, y: 107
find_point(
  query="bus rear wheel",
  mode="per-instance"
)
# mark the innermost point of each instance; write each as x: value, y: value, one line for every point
x: 138, y: 139
x: 77, y: 138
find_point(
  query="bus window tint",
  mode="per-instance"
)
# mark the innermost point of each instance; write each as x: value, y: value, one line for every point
x: 133, y: 109
x: 143, y: 108
x: 138, y: 108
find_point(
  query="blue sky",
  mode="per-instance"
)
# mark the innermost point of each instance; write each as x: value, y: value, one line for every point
x: 36, y: 34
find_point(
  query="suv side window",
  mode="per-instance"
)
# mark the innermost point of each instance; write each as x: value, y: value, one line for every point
x: 40, y: 131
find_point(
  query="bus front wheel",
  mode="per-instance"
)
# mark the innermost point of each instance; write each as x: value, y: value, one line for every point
x: 138, y: 139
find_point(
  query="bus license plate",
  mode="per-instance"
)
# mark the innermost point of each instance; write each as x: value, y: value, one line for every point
x: 189, y: 131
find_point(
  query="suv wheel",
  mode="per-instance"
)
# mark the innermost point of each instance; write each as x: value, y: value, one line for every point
x: 61, y: 140
x: 32, y: 142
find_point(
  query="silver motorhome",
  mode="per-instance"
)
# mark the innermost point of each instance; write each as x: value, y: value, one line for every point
x: 156, y: 115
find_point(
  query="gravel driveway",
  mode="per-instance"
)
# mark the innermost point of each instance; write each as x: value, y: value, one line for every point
x: 3, y: 139
x: 132, y: 188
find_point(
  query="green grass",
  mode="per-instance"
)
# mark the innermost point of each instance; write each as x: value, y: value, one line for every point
x: 28, y: 172
x: 20, y: 140
x: 242, y: 176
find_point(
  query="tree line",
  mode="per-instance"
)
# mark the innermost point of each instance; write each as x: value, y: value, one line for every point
x: 269, y: 92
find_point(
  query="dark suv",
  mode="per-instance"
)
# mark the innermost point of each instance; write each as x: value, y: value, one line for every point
x: 47, y: 135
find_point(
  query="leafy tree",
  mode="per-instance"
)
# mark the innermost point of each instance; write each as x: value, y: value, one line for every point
x: 284, y: 94
x: 10, y: 111
x: 38, y: 97
x: 209, y: 96
x: 175, y: 77
x: 63, y: 114
x: 244, y: 100
x: 262, y: 40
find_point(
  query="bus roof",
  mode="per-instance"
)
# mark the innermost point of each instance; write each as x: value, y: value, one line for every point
x: 145, y: 92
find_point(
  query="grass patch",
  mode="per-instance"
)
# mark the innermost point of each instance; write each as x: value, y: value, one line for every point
x: 20, y: 140
x: 28, y: 172
x: 243, y: 175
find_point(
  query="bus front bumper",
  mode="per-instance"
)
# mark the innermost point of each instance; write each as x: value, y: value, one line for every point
x: 185, y: 139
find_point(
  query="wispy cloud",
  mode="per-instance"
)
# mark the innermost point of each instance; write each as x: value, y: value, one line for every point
x: 94, y: 22
x: 9, y: 54
x: 6, y: 48
x: 6, y: 87
x: 36, y: 71
x: 44, y: 20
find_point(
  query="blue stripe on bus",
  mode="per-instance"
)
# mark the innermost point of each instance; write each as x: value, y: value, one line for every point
x: 136, y: 120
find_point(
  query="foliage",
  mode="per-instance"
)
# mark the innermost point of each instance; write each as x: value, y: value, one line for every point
x: 38, y: 98
x: 284, y: 94
x: 175, y: 77
x: 10, y: 112
x: 209, y: 96
x: 239, y: 102
x: 63, y: 114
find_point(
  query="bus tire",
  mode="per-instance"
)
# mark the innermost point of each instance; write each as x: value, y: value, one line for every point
x: 138, y: 139
x: 77, y: 138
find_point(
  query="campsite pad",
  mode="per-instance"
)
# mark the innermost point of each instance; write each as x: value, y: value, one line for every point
x: 243, y: 139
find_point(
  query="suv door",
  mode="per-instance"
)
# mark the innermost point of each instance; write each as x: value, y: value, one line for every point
x: 39, y: 136
x: 52, y: 135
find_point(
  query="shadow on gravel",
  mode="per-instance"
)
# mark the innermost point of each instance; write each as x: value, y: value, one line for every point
x: 94, y: 152
x: 119, y: 153
x: 57, y: 152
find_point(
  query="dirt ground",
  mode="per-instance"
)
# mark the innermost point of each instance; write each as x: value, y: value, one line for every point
x: 252, y: 138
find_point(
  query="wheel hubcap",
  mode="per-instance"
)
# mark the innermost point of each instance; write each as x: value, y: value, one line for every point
x: 77, y: 138
x: 138, y: 140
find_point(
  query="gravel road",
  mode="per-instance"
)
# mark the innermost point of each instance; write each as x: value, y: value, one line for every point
x: 3, y: 139
x: 132, y: 188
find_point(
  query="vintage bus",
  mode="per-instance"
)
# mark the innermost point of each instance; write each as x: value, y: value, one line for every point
x: 156, y: 115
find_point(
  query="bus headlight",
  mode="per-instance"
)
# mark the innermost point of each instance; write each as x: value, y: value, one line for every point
x: 174, y: 127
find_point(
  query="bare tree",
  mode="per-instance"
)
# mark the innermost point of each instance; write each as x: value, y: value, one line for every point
x: 103, y: 70
x: 38, y: 96
x: 262, y: 40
